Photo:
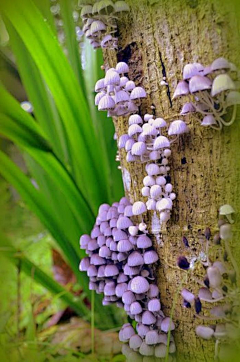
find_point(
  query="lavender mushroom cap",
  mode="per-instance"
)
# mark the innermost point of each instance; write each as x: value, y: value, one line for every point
x: 199, y: 83
x: 139, y: 285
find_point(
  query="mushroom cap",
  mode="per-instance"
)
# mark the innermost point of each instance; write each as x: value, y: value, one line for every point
x: 233, y: 98
x: 161, y: 142
x: 199, y: 83
x: 188, y: 296
x: 208, y: 120
x: 135, y: 259
x: 129, y: 144
x: 181, y: 89
x: 155, y: 191
x: 146, y: 350
x: 226, y: 210
x: 134, y: 129
x: 154, y: 305
x: 135, y: 308
x: 131, y: 270
x: 138, y: 208
x: 135, y: 119
x: 144, y: 242
x: 92, y: 245
x: 138, y: 92
x: 220, y: 331
x: 159, y: 123
x: 109, y: 289
x: 222, y: 83
x: 142, y: 329
x: 164, y: 204
x: 177, y: 127
x: 161, y: 181
x: 187, y: 108
x: 124, y: 246
x: 151, y: 204
x: 111, y: 270
x: 106, y: 103
x: 135, y: 341
x: 92, y: 271
x: 122, y: 67
x: 190, y: 70
x: 153, y: 291
x: 214, y: 276
x: 98, y: 97
x: 167, y: 324
x: 122, y: 278
x: 97, y: 260
x: 226, y: 232
x: 101, y: 272
x: 97, y: 26
x: 129, y: 86
x: 139, y: 285
x: 121, y: 97
x: 152, y: 169
x: 148, y: 318
x: 84, y: 264
x: 149, y: 130
x: 121, y: 6
x: 119, y: 234
x: 160, y: 350
x: 150, y: 257
x: 120, y: 289
x: 84, y: 239
x: 220, y: 63
x: 204, y: 332
x: 86, y: 10
x: 124, y: 222
x: 139, y: 148
x: 149, y: 181
x: 152, y: 338
x: 204, y: 294
x: 128, y: 297
x: 127, y: 332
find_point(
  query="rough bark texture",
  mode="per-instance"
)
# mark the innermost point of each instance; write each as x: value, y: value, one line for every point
x: 158, y: 40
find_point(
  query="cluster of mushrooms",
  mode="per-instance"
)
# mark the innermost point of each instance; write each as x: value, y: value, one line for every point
x: 100, y: 22
x: 145, y: 143
x: 116, y: 94
x: 218, y: 284
x: 119, y: 264
x: 211, y: 92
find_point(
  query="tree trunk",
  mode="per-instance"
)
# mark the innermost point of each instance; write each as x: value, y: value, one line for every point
x: 157, y: 41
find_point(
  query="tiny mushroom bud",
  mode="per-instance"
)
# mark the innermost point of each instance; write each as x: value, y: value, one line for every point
x: 146, y: 350
x: 135, y: 341
x: 154, y: 305
x: 148, y: 318
x: 188, y: 296
x: 150, y: 257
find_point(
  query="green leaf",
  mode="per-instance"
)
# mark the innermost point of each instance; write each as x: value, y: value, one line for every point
x: 69, y: 98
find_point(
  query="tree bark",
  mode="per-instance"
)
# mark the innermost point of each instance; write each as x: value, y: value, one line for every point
x: 157, y: 41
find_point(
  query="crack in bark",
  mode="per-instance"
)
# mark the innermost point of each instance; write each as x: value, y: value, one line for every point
x: 164, y: 74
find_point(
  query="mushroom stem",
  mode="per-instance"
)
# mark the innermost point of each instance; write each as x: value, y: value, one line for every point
x: 234, y: 264
x: 175, y: 139
x: 231, y: 121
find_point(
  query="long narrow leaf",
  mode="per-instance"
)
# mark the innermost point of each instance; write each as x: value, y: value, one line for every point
x: 54, y: 169
x: 39, y: 95
x: 39, y: 205
x: 68, y: 96
x: 42, y: 278
x: 71, y: 40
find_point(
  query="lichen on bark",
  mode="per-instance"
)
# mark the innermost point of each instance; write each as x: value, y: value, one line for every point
x: 156, y: 39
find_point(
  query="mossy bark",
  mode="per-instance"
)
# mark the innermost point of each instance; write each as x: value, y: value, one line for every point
x: 157, y: 41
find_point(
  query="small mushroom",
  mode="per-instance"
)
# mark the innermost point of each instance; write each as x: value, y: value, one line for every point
x: 227, y: 210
